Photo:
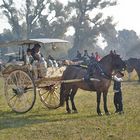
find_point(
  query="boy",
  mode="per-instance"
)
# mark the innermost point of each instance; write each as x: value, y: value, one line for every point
x: 118, y: 93
x: 28, y: 58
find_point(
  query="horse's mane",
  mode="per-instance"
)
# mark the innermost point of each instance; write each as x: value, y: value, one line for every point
x: 104, y: 58
x: 108, y: 57
x: 132, y: 60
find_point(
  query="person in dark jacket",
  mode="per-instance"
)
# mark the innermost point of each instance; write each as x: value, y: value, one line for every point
x: 86, y: 57
x: 118, y: 92
x: 92, y: 68
x: 35, y: 52
x: 78, y: 56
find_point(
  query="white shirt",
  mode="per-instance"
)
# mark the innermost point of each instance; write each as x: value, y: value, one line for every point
x: 117, y: 78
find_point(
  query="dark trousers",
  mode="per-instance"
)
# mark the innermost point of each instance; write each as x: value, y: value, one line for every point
x: 118, y: 101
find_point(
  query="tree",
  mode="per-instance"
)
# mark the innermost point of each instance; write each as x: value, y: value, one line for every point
x: 87, y: 27
x: 7, y: 35
x: 33, y: 18
x: 125, y: 42
x: 110, y: 34
x: 54, y: 22
x: 11, y: 13
x: 128, y: 41
x: 134, y: 51
x: 33, y: 13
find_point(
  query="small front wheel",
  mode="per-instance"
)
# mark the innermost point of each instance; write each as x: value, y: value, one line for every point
x: 50, y: 96
x: 20, y: 91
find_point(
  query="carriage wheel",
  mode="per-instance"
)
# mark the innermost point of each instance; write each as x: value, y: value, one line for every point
x: 50, y: 96
x: 20, y: 91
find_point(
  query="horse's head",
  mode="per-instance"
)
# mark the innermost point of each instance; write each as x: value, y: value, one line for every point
x: 117, y: 62
x: 129, y: 66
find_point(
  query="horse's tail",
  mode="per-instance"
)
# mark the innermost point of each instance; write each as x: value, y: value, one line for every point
x: 62, y: 94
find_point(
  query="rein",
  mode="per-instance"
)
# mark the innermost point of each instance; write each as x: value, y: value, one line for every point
x: 107, y: 76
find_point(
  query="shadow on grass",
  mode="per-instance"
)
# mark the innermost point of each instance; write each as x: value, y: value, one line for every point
x: 13, y: 120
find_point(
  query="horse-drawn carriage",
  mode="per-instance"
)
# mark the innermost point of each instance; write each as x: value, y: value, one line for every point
x: 20, y: 86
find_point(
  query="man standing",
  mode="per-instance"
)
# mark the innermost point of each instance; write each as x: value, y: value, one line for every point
x: 118, y: 92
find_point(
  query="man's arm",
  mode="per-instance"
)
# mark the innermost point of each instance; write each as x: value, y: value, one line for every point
x: 117, y: 79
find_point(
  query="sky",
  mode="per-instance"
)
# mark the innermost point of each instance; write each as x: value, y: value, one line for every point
x: 126, y: 15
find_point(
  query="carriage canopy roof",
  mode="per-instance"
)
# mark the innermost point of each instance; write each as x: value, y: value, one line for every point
x: 32, y: 41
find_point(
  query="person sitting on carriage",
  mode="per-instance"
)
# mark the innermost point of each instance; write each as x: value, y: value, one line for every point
x: 39, y: 65
x: 97, y: 56
x: 92, y: 68
x: 86, y: 57
x: 28, y: 59
x: 52, y: 61
x: 78, y: 56
x: 36, y: 52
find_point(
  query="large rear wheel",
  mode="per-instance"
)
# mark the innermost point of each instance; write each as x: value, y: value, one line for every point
x: 20, y: 91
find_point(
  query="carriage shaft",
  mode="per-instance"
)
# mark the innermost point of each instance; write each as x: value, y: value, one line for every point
x: 78, y: 80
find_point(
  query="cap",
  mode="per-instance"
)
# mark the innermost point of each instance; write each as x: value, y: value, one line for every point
x: 37, y: 46
x: 119, y: 72
x: 29, y: 50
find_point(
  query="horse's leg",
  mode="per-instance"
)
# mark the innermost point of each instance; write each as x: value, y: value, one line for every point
x: 98, y: 103
x: 74, y: 90
x: 138, y: 76
x: 129, y: 76
x: 105, y: 103
x: 67, y: 102
x: 64, y: 96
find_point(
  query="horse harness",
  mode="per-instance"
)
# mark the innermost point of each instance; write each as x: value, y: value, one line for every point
x: 91, y: 75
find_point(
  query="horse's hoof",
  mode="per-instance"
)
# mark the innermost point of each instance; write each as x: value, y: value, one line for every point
x: 69, y: 112
x: 75, y: 111
x: 100, y: 114
x: 108, y: 113
x: 61, y: 105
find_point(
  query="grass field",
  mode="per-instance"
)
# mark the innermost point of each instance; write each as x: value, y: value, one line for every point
x: 43, y: 124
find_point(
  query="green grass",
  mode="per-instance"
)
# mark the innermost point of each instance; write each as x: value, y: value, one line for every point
x: 43, y: 124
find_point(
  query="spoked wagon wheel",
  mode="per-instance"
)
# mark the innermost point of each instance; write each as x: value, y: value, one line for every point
x: 20, y: 91
x: 50, y: 95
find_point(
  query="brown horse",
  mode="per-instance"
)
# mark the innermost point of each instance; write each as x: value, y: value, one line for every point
x: 108, y: 63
